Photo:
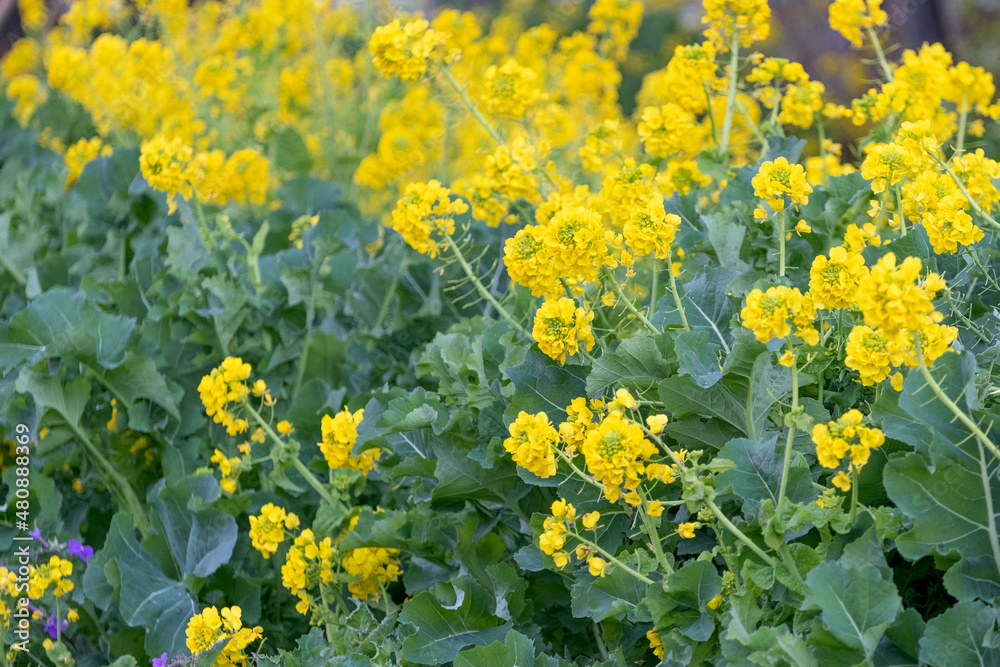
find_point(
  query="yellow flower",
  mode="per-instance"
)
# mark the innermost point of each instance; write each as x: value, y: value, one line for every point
x: 618, y: 22
x: 655, y: 423
x: 655, y: 508
x: 767, y: 314
x: 833, y: 281
x: 267, y: 530
x: 885, y: 165
x: 208, y: 627
x: 510, y: 90
x: 166, y: 166
x: 407, y: 51
x: 670, y: 130
x: 787, y: 359
x: 776, y: 180
x: 529, y: 263
x: 892, y: 300
x: 596, y: 565
x: 650, y: 230
x: 609, y: 299
x: 842, y: 481
x: 285, y: 427
x: 614, y: 452
x: 746, y: 20
x: 424, y: 212
x: 561, y: 328
x: 686, y: 529
x: 849, y: 17
x: 531, y: 443
x: 623, y: 400
x: 579, y: 420
x: 835, y: 439
x: 590, y: 520
x: 371, y: 566
x: 715, y: 602
x: 561, y: 559
x: 230, y: 469
x: 340, y: 433
x: 655, y: 642
x: 575, y: 244
x: 223, y: 386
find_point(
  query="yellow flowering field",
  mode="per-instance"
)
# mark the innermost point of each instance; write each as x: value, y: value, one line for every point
x: 347, y: 335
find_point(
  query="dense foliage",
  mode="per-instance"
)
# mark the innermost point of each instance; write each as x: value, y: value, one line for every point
x: 568, y: 386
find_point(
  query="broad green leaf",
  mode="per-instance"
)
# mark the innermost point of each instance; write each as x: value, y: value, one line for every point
x: 615, y: 595
x: 461, y: 375
x: 62, y: 322
x: 542, y: 385
x: 973, y: 577
x: 291, y: 153
x: 947, y: 505
x: 764, y: 646
x: 201, y: 538
x: 149, y: 599
x: 698, y: 357
x: 857, y: 604
x: 757, y: 474
x: 516, y: 650
x: 139, y: 379
x: 956, y: 638
x: 955, y: 373
x: 638, y: 363
x: 443, y: 628
x: 686, y: 596
x: 460, y: 477
x: 708, y: 305
x: 418, y: 409
x: 49, y: 393
x: 726, y: 236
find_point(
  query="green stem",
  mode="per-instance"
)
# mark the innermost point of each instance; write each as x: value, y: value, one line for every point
x: 786, y: 463
x: 628, y: 302
x: 781, y: 241
x: 955, y: 410
x: 473, y: 109
x: 483, y: 292
x: 654, y: 285
x: 991, y: 525
x: 880, y: 54
x: 128, y: 494
x: 899, y: 210
x: 821, y: 132
x: 611, y: 559
x: 786, y: 558
x: 963, y: 117
x: 600, y: 642
x: 739, y: 533
x: 576, y: 470
x: 673, y: 290
x: 654, y: 535
x: 306, y: 473
x: 734, y: 67
x: 854, y: 494
x: 304, y: 357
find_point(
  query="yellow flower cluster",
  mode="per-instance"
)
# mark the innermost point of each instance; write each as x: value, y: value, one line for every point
x: 55, y: 573
x: 82, y: 152
x: 267, y: 530
x: 776, y: 180
x: 532, y: 442
x: 615, y: 451
x: 670, y: 130
x: 209, y: 627
x: 230, y: 467
x: 743, y: 21
x: 407, y: 50
x: 562, y: 328
x: 424, y: 216
x: 555, y: 531
x: 833, y: 280
x: 850, y: 17
x: 371, y: 567
x: 223, y: 386
x: 308, y: 564
x: 770, y: 314
x: 340, y: 433
x: 172, y: 167
x: 835, y: 439
x: 617, y: 22
x: 510, y: 90
x: 893, y: 298
x: 650, y: 230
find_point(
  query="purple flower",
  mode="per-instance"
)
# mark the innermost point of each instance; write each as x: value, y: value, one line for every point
x: 37, y: 534
x: 81, y: 550
x: 161, y: 661
x: 50, y: 626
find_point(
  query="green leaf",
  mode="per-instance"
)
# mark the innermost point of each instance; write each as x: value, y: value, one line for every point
x: 516, y: 650
x: 857, y: 604
x: 972, y: 578
x: 955, y: 373
x: 757, y: 474
x: 49, y: 393
x: 638, y: 363
x: 947, y: 505
x: 956, y: 638
x: 201, y: 538
x: 726, y: 236
x: 442, y: 629
x: 459, y: 370
x: 615, y: 595
x: 764, y: 646
x: 62, y: 322
x: 698, y: 356
x: 139, y: 379
x: 708, y: 305
x: 291, y: 153
x: 149, y: 599
x: 542, y: 385
x: 418, y: 409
